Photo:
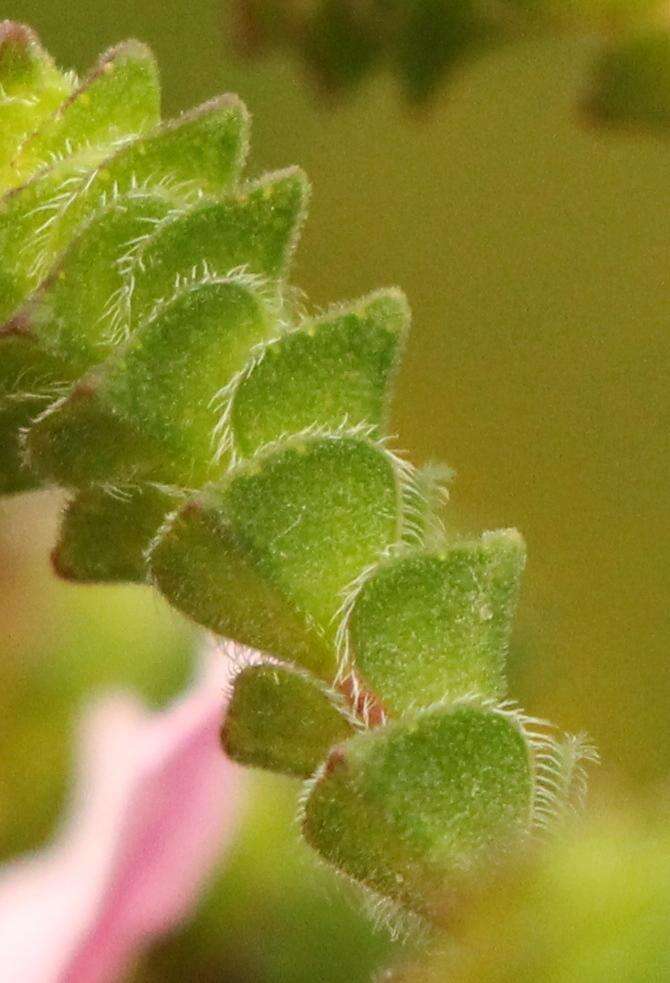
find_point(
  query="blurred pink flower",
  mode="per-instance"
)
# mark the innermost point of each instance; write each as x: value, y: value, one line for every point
x: 153, y: 808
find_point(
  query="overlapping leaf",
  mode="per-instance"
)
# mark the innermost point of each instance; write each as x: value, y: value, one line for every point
x: 231, y: 449
x: 295, y: 525
x: 411, y: 808
x: 282, y: 720
x: 427, y: 626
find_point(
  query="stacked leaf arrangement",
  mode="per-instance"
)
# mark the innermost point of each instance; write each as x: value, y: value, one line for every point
x: 228, y: 448
x: 425, y: 42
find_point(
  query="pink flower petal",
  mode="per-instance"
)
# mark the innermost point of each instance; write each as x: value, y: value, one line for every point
x: 154, y: 806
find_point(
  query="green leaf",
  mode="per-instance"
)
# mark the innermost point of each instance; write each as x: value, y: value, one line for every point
x: 120, y: 98
x: 157, y: 396
x: 13, y: 476
x: 271, y: 550
x: 78, y: 442
x: 315, y: 512
x: 329, y: 371
x: 206, y: 571
x: 31, y: 87
x: 412, y: 808
x: 202, y: 152
x: 282, y: 720
x: 631, y: 81
x: 103, y: 536
x: 28, y: 380
x: 255, y: 229
x: 426, y: 627
x: 204, y: 148
x: 26, y: 370
x: 75, y: 317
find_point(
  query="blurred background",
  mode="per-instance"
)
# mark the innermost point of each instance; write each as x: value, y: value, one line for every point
x: 535, y: 252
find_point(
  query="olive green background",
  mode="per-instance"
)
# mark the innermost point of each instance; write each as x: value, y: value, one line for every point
x: 535, y: 251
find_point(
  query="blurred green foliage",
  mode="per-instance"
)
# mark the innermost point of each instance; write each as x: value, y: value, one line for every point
x: 535, y: 255
x: 59, y: 648
x: 425, y: 41
x: 595, y: 907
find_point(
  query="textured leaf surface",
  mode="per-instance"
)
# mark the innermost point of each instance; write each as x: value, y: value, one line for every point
x: 31, y: 88
x: 13, y: 477
x: 205, y: 569
x: 331, y: 370
x: 315, y: 513
x: 157, y: 398
x: 26, y: 370
x: 255, y: 230
x: 78, y: 442
x: 410, y: 808
x: 103, y: 536
x: 68, y: 322
x: 201, y: 152
x: 27, y: 377
x: 285, y: 534
x: 282, y: 721
x: 119, y: 99
x: 432, y: 626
